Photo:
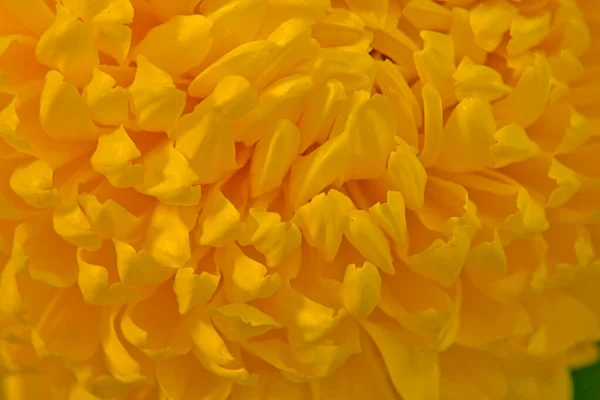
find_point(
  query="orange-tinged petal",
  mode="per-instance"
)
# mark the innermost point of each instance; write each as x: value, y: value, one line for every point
x: 54, y: 334
x: 361, y: 289
x: 234, y: 97
x: 184, y: 378
x: 138, y: 267
x: 109, y: 219
x: 36, y: 15
x: 177, y: 45
x: 69, y: 46
x: 171, y: 9
x: 156, y: 102
x: 70, y: 222
x: 362, y: 232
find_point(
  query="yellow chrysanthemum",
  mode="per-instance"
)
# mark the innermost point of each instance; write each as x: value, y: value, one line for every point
x: 298, y: 199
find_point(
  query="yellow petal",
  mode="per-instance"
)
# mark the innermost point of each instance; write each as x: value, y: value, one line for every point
x: 120, y: 361
x: 284, y: 99
x: 115, y: 10
x: 168, y: 237
x: 71, y: 224
x: 271, y: 237
x: 372, y: 129
x: 428, y: 15
x: 109, y: 219
x: 240, y: 321
x: 247, y: 60
x: 436, y: 65
x: 169, y: 178
x: 433, y: 125
x: 200, y: 135
x: 273, y: 156
x: 390, y: 216
x: 108, y: 105
x: 528, y: 100
x: 362, y: 232
x: 113, y: 158
x: 234, y: 97
x: 361, y: 289
x: 138, y: 267
x: 167, y: 336
x: 478, y: 81
x: 319, y: 169
x: 212, y: 352
x: 373, y: 14
x: 490, y: 21
x: 221, y: 223
x: 113, y: 38
x: 246, y: 15
x: 407, y: 175
x: 528, y: 32
x: 342, y: 28
x: 512, y: 146
x: 33, y: 183
x: 63, y: 113
x: 69, y: 46
x: 414, y: 372
x: 468, y: 136
x: 97, y: 279
x: 191, y: 288
x: 354, y: 70
x: 399, y: 48
x: 305, y: 319
x: 177, y: 45
x: 156, y: 101
x: 318, y: 118
x: 464, y: 37
x: 321, y: 221
x: 389, y: 79
x: 244, y: 278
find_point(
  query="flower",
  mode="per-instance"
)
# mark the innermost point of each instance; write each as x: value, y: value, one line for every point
x: 283, y: 199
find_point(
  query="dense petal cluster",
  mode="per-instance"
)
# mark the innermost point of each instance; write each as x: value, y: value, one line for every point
x: 298, y: 199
